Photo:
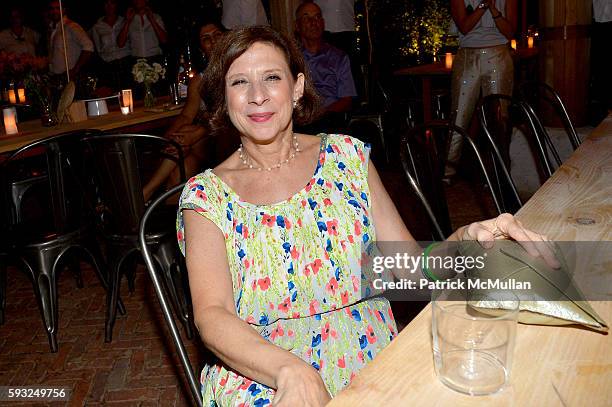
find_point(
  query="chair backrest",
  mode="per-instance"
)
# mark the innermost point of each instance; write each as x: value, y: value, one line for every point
x: 499, y: 115
x: 61, y: 158
x: 423, y: 154
x: 161, y: 294
x: 540, y: 96
x: 118, y: 161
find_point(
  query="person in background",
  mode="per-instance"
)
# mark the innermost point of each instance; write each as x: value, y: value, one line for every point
x: 115, y: 60
x: 18, y: 38
x: 186, y: 130
x: 237, y: 13
x: 273, y: 237
x: 601, y: 80
x: 483, y: 64
x: 144, y: 30
x: 79, y: 47
x: 329, y: 68
x: 339, y: 16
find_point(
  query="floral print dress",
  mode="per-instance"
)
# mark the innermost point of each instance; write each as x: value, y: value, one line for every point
x: 296, y: 272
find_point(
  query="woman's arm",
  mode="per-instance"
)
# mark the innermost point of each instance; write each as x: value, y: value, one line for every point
x: 465, y: 22
x: 506, y: 23
x: 232, y: 339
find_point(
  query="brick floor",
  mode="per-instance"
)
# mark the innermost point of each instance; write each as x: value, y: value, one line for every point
x: 139, y: 368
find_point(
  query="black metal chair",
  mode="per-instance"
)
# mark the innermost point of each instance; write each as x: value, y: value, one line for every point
x: 366, y: 123
x: 541, y: 97
x: 160, y: 291
x: 423, y: 154
x: 64, y: 223
x: 118, y: 162
x: 499, y: 115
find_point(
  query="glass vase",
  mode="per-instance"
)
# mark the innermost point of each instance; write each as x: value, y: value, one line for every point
x: 48, y: 118
x: 149, y: 98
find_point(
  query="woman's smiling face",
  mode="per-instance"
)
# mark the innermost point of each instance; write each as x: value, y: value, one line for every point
x: 260, y: 91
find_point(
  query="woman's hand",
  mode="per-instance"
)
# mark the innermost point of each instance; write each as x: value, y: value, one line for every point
x: 507, y: 226
x: 300, y: 385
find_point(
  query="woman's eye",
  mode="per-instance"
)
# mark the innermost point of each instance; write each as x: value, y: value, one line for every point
x: 238, y: 82
x: 273, y: 78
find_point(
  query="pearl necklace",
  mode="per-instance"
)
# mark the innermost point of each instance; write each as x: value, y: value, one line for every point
x: 248, y: 162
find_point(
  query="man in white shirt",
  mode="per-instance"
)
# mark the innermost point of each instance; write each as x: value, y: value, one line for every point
x: 79, y: 48
x: 237, y: 13
x: 144, y: 30
x: 18, y: 39
x: 114, y: 69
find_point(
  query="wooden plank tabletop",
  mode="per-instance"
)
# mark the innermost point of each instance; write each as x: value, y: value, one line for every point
x: 553, y: 366
x: 32, y: 130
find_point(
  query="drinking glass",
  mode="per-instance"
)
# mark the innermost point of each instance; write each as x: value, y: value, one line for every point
x: 472, y: 345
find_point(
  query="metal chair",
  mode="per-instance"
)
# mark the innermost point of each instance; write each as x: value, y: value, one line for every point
x: 539, y: 96
x: 160, y: 291
x: 498, y: 115
x: 423, y: 154
x: 118, y: 161
x: 43, y: 243
x: 366, y: 124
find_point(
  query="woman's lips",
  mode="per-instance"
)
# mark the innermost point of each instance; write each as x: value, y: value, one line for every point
x: 260, y: 117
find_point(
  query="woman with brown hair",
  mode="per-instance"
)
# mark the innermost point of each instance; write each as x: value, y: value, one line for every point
x: 273, y: 237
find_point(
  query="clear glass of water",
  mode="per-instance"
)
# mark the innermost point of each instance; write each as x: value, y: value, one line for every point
x: 473, y: 345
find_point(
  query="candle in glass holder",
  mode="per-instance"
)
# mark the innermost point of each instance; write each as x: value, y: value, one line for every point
x: 21, y: 95
x: 513, y: 44
x: 10, y: 120
x: 12, y: 96
x: 448, y: 60
x: 126, y: 99
x: 530, y: 42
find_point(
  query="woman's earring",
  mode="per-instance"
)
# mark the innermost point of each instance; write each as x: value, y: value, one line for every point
x: 294, y: 104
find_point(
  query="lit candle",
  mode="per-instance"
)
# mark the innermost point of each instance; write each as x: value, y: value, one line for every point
x: 21, y: 95
x: 10, y: 120
x: 126, y: 99
x: 530, y: 42
x: 12, y: 96
x: 513, y: 44
x: 448, y: 60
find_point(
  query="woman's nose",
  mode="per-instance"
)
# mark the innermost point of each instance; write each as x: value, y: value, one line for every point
x: 257, y: 93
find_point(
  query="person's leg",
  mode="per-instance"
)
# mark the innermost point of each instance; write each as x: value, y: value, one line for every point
x: 498, y: 78
x: 465, y: 91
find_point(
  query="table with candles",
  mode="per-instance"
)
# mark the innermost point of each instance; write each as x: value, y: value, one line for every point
x: 140, y: 121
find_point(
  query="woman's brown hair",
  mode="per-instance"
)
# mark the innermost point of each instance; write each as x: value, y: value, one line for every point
x: 232, y: 46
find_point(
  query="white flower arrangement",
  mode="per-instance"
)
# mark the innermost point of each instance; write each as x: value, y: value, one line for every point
x: 143, y: 72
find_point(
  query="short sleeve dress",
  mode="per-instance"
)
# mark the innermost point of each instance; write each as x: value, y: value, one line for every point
x: 296, y: 272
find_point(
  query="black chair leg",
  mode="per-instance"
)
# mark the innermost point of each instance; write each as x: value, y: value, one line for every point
x: 175, y: 283
x: 45, y: 288
x: 93, y: 251
x: 2, y: 290
x: 112, y: 296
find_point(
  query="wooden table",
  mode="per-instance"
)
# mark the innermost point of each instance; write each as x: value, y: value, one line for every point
x: 426, y: 72
x: 140, y: 120
x: 553, y: 366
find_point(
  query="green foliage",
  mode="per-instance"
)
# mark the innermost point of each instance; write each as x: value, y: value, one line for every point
x: 409, y: 29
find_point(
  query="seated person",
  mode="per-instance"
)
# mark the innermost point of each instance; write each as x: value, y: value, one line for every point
x: 273, y: 264
x: 184, y: 130
x: 329, y: 68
